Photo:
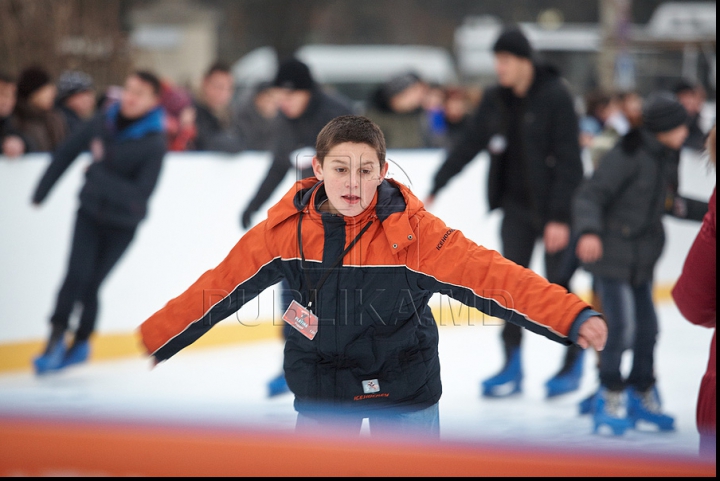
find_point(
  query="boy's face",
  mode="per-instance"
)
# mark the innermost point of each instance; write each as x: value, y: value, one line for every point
x: 352, y: 174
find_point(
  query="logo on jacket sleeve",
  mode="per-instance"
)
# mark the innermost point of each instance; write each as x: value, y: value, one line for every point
x: 370, y: 386
x: 444, y: 238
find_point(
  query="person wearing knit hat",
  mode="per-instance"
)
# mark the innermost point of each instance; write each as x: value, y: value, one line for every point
x: 35, y: 120
x: 529, y: 126
x: 293, y: 74
x: 618, y: 215
x: 76, y: 98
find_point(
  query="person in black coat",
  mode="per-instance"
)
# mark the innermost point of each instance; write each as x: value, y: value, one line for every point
x: 618, y: 215
x: 128, y: 145
x: 529, y: 126
x: 304, y: 109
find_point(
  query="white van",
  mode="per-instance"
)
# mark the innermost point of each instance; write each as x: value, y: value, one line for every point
x: 353, y: 70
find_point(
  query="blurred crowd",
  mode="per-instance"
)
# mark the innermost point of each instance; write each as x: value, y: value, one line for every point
x: 37, y: 112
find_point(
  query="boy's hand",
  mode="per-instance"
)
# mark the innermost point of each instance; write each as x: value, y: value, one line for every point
x: 593, y: 332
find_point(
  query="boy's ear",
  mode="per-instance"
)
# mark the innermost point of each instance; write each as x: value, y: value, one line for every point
x: 383, y: 172
x: 317, y: 168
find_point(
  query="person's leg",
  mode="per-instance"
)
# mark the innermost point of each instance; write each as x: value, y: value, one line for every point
x: 643, y: 398
x: 113, y: 244
x: 424, y: 423
x: 82, y: 259
x: 518, y: 241
x: 560, y: 268
x: 328, y: 423
x: 609, y: 405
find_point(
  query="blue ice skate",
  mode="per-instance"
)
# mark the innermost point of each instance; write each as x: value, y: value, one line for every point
x: 78, y: 353
x: 587, y: 405
x: 508, y: 381
x: 567, y: 380
x: 51, y: 359
x: 278, y: 386
x: 645, y: 406
x: 610, y: 410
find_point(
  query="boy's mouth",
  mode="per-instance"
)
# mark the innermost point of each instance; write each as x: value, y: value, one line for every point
x: 351, y: 199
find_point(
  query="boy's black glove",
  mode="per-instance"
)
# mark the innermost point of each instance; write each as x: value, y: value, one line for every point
x: 246, y: 219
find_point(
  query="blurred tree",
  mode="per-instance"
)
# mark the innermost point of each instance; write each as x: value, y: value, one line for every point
x: 85, y: 35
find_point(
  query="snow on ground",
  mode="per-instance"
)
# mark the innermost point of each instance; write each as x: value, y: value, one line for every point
x: 226, y: 387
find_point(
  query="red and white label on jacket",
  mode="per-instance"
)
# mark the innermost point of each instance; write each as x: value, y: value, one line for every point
x: 301, y: 319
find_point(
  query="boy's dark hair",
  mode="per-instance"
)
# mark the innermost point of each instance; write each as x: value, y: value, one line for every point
x: 150, y: 78
x: 221, y: 67
x: 350, y: 128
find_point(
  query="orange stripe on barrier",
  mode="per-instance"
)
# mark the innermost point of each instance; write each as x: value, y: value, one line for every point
x: 31, y: 448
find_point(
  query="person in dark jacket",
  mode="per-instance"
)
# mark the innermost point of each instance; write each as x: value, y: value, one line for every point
x: 618, y: 215
x: 695, y: 294
x: 35, y: 119
x: 529, y: 126
x: 363, y: 258
x: 256, y: 117
x: 75, y: 99
x: 128, y: 145
x: 304, y: 109
x: 213, y: 114
x: 691, y: 96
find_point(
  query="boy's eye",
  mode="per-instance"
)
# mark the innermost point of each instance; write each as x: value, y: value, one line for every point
x: 340, y: 170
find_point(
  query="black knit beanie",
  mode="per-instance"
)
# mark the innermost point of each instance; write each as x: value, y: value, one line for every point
x: 513, y: 41
x: 662, y: 113
x: 73, y: 82
x: 294, y: 75
x: 399, y: 83
x: 31, y: 80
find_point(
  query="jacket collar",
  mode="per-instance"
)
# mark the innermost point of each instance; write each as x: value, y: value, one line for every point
x: 152, y: 122
x: 393, y: 205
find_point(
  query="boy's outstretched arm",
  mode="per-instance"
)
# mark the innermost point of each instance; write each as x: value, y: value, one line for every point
x: 452, y: 264
x: 247, y: 270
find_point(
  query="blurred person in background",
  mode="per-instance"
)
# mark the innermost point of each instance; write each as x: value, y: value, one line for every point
x: 256, y: 117
x: 127, y: 143
x: 692, y: 96
x: 8, y: 97
x: 457, y: 114
x: 213, y: 113
x: 695, y: 294
x: 397, y: 107
x: 180, y: 116
x: 35, y: 122
x: 304, y: 109
x: 617, y: 214
x: 529, y: 126
x: 76, y: 99
x: 435, y: 124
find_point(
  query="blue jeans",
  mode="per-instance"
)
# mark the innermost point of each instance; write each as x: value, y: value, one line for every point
x: 424, y: 423
x: 632, y: 324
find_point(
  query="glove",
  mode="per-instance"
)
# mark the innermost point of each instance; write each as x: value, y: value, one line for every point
x: 246, y: 219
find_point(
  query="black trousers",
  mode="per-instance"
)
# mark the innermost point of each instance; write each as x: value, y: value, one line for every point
x: 519, y: 233
x: 96, y: 248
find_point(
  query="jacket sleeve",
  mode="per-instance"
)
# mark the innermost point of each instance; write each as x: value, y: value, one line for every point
x: 595, y: 193
x: 65, y: 155
x: 695, y: 291
x: 247, y: 270
x: 278, y: 169
x: 568, y: 171
x: 481, y: 278
x: 474, y: 139
x: 122, y: 191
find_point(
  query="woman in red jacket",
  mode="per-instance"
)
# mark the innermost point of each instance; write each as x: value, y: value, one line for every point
x: 695, y: 296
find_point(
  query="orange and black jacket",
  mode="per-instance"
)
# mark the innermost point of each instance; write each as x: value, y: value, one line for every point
x: 374, y: 320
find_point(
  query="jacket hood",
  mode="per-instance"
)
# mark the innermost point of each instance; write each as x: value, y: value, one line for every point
x: 394, y: 205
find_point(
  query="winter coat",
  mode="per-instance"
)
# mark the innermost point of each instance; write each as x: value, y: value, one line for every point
x: 40, y: 130
x: 374, y: 320
x: 624, y: 202
x: 696, y: 298
x: 214, y: 134
x: 293, y: 135
x: 550, y: 146
x: 125, y: 168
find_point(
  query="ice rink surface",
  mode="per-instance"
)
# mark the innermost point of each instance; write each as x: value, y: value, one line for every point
x: 226, y: 388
